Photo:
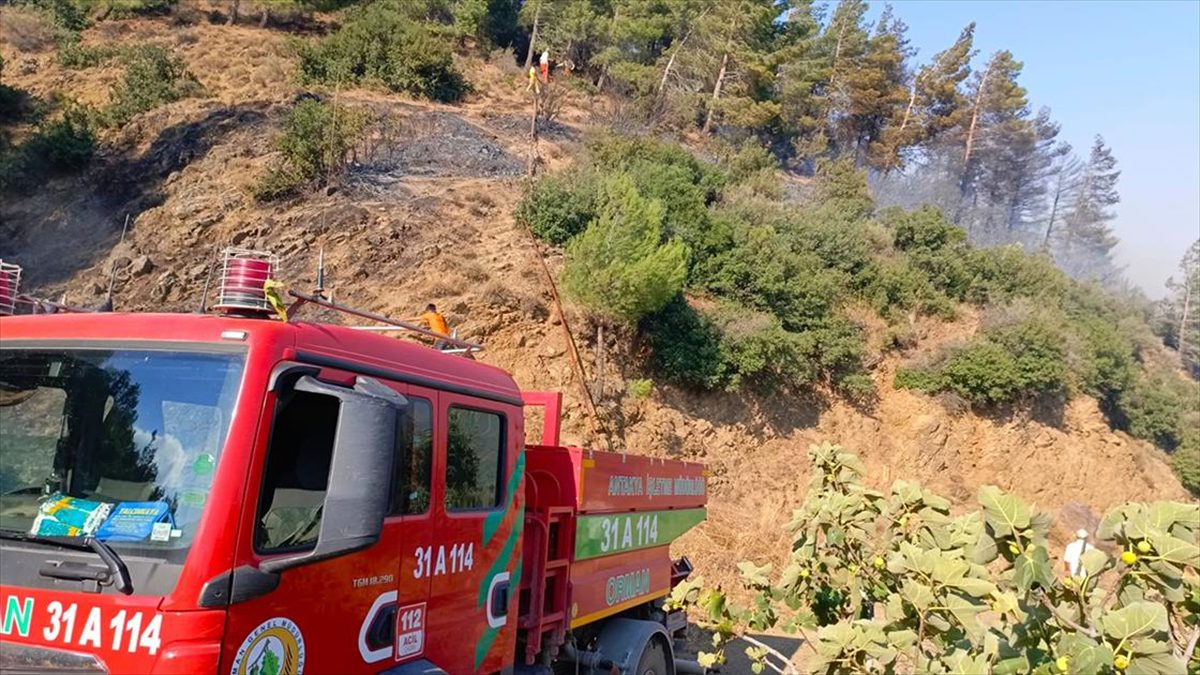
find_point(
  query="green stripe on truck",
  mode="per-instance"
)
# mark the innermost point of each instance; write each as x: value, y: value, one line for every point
x: 611, y: 533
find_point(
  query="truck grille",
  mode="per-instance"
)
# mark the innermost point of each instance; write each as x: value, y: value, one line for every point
x: 27, y: 660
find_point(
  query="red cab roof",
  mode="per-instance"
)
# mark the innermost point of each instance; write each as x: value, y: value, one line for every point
x: 293, y: 339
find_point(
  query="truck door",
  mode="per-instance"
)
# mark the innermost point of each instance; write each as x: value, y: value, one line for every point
x: 473, y: 558
x: 324, y: 616
x: 412, y: 506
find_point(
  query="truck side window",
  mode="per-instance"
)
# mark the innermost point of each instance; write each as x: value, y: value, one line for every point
x: 297, y: 472
x: 414, y: 459
x: 474, y: 466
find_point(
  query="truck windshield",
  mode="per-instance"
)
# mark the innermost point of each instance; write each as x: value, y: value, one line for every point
x: 121, y: 445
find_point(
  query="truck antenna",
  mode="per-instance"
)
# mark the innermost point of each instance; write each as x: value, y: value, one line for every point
x: 107, y: 305
x: 203, y: 308
x: 319, y: 291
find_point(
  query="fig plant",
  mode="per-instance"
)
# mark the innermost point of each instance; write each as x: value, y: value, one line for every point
x: 896, y: 583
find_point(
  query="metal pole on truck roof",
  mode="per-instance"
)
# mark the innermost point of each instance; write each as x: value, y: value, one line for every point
x: 319, y: 291
x: 203, y: 308
x: 304, y: 298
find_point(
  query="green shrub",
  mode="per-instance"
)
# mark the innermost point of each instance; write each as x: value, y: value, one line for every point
x: 153, y: 77
x: 685, y: 346
x: 380, y: 45
x: 611, y: 152
x: 841, y: 188
x: 619, y: 267
x: 1186, y: 463
x: 762, y: 271
x: 839, y: 243
x: 898, y: 286
x: 924, y: 228
x: 641, y: 388
x: 66, y: 144
x: 685, y: 212
x: 1007, y: 364
x: 317, y: 138
x: 63, y: 145
x: 731, y: 346
x: 278, y: 182
x: 1107, y: 363
x: 710, y: 247
x: 75, y: 56
x: 67, y: 15
x: 1153, y: 410
x: 837, y: 348
x: 1005, y: 272
x: 556, y: 208
x: 757, y: 351
x: 748, y: 161
x: 316, y: 142
x: 899, y: 337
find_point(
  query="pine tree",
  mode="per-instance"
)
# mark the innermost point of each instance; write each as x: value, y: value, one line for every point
x: 802, y: 68
x: 845, y: 40
x: 740, y: 30
x: 571, y: 30
x: 1179, y: 313
x: 618, y: 267
x: 1021, y: 158
x: 683, y: 15
x: 935, y: 103
x: 937, y: 87
x: 877, y: 91
x: 1062, y: 181
x: 725, y: 69
x: 634, y: 36
x: 1085, y: 243
x: 998, y: 104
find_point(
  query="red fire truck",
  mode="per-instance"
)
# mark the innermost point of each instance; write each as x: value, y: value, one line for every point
x: 229, y: 492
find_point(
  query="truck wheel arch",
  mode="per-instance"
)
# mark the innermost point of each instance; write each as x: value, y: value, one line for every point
x: 418, y: 667
x: 622, y: 641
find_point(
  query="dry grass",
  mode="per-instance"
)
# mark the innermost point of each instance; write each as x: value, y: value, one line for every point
x: 534, y: 308
x: 273, y: 71
x: 187, y: 36
x: 474, y: 272
x: 504, y: 61
x: 108, y: 31
x: 26, y: 30
x: 499, y: 295
x: 444, y: 286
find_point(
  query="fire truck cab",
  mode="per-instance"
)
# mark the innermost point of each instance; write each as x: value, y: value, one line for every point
x: 203, y: 493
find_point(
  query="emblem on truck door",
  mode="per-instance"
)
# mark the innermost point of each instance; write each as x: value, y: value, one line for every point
x: 276, y: 647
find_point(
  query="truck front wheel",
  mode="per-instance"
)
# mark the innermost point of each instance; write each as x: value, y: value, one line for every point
x: 654, y: 659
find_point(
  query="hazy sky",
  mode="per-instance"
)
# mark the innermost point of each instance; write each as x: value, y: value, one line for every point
x: 1129, y: 71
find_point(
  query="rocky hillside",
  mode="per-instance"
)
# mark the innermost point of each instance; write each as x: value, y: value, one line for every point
x: 425, y: 215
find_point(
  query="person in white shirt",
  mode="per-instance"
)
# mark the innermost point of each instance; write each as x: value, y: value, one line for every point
x: 1073, y: 555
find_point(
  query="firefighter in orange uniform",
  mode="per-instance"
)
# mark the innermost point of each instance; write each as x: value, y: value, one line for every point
x: 435, y: 322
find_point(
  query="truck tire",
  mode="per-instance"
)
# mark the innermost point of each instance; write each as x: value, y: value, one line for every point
x: 653, y: 660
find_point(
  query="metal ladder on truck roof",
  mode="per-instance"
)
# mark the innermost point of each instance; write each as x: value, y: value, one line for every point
x: 461, y: 347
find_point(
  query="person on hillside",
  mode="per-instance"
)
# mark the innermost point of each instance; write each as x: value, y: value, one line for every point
x: 544, y: 62
x: 533, y: 81
x: 435, y: 322
x: 1073, y: 555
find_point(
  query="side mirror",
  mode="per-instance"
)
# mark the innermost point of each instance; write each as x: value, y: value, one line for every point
x: 360, y: 475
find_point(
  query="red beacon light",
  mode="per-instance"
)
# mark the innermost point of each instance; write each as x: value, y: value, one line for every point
x: 243, y: 275
x: 10, y: 286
